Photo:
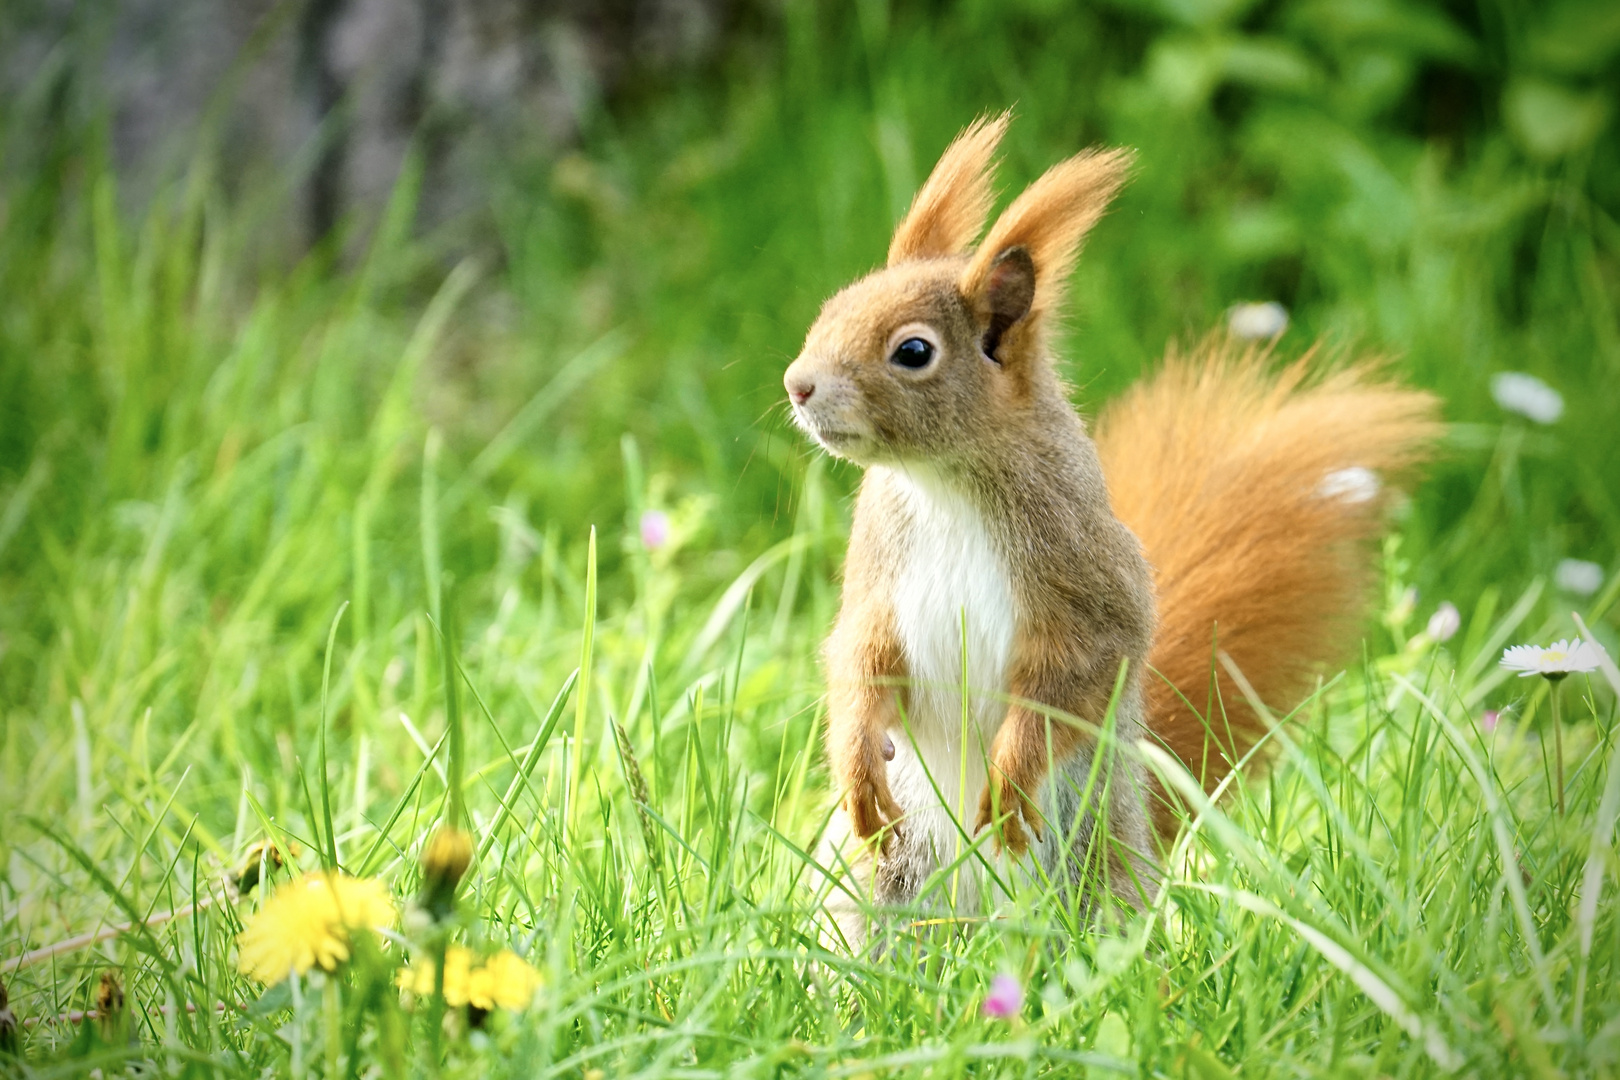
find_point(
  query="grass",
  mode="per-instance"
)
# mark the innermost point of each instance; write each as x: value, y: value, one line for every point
x: 205, y: 455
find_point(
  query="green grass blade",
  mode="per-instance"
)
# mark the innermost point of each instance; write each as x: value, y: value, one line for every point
x: 330, y: 852
x: 583, y: 696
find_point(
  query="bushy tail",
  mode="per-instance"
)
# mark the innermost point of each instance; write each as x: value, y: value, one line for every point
x: 1255, y: 493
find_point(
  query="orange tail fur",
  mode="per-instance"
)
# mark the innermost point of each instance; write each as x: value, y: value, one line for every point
x: 1254, y: 493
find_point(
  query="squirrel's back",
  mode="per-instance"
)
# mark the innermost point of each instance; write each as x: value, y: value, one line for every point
x: 1255, y: 493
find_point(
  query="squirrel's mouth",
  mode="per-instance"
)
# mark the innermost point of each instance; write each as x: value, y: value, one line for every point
x: 836, y: 437
x: 829, y: 421
x: 839, y: 442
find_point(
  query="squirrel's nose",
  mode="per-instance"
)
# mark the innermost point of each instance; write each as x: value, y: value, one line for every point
x: 799, y: 388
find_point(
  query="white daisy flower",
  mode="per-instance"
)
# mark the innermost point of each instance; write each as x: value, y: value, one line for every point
x: 1445, y: 622
x: 1357, y: 484
x: 1555, y: 661
x: 1578, y: 576
x: 1527, y: 395
x: 1257, y: 322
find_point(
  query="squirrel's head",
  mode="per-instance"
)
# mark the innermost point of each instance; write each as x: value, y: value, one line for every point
x: 921, y: 358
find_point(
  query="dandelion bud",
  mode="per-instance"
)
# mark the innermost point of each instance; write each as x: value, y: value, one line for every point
x: 109, y: 994
x: 10, y: 1044
x: 447, y: 856
x: 110, y: 1006
x: 448, y: 853
x: 262, y: 857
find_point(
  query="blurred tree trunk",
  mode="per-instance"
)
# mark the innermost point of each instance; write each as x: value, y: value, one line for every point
x: 337, y: 90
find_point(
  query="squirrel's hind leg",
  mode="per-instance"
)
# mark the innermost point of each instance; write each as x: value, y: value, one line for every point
x: 842, y: 877
x: 876, y: 897
x: 1092, y: 864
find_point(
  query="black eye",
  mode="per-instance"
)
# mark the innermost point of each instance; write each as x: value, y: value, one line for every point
x: 913, y: 353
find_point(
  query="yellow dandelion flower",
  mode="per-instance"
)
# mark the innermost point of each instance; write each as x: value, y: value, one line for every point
x: 306, y: 924
x: 457, y: 972
x: 507, y: 981
x: 480, y: 989
x: 418, y: 976
x: 504, y: 980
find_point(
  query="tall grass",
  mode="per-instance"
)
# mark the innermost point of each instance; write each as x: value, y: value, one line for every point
x: 202, y: 460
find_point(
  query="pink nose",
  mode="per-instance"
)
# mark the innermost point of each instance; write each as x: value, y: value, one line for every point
x: 799, y: 390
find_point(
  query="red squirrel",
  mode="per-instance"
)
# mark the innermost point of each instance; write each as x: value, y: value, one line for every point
x: 1087, y: 575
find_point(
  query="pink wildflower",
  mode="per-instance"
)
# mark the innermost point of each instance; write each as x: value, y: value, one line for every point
x: 1006, y: 997
x: 654, y: 529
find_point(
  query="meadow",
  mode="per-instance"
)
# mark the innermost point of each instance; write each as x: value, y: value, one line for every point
x: 503, y: 523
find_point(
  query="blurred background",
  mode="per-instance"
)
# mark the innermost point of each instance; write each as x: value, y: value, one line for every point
x: 274, y: 273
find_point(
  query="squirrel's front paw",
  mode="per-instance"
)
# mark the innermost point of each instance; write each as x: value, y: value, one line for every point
x: 868, y: 800
x: 1002, y: 800
x: 872, y: 810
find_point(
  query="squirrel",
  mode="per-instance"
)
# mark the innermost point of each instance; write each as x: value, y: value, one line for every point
x: 1083, y: 584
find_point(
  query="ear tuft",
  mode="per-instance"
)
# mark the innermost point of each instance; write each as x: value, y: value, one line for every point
x: 1048, y: 221
x: 950, y: 209
x: 1009, y: 290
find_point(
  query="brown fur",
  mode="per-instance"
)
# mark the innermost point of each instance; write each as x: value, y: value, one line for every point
x: 950, y: 209
x: 1049, y: 220
x: 1215, y: 464
x: 862, y: 703
x: 1003, y: 432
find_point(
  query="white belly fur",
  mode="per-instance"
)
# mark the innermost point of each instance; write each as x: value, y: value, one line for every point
x: 953, y: 569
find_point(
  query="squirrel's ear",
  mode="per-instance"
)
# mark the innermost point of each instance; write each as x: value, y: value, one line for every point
x: 1047, y: 223
x: 951, y: 207
x: 1009, y: 290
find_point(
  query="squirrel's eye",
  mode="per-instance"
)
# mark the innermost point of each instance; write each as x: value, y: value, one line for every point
x: 912, y: 353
